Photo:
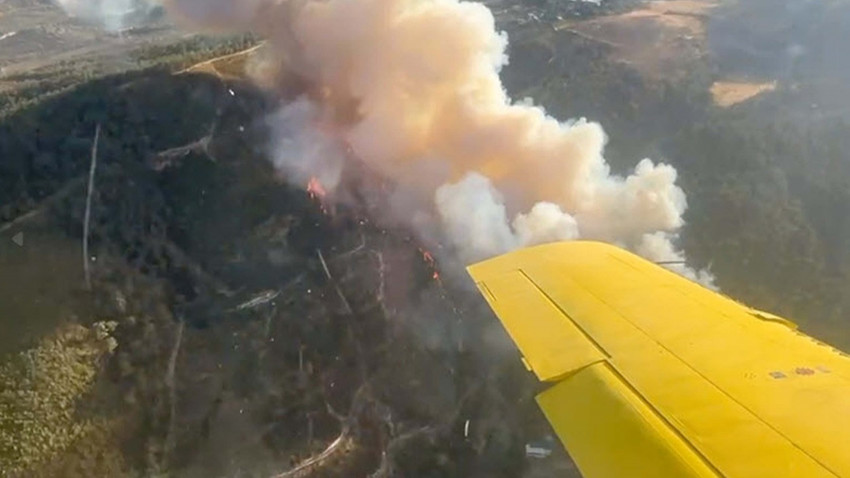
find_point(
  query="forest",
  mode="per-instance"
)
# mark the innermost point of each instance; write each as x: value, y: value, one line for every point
x: 234, y: 325
x: 767, y: 180
x: 243, y: 342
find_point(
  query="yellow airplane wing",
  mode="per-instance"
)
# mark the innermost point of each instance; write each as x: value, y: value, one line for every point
x: 655, y: 376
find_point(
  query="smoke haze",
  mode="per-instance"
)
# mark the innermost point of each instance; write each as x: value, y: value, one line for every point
x: 411, y: 84
x: 111, y: 14
x: 300, y: 149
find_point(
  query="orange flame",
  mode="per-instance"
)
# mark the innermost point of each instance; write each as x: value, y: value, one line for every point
x: 317, y: 193
x: 315, y: 189
x: 428, y: 257
x: 432, y: 263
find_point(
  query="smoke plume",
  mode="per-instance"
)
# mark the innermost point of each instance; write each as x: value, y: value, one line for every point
x: 301, y: 150
x: 113, y: 15
x: 413, y: 85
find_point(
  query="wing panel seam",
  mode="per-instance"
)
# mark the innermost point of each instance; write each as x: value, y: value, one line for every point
x: 628, y: 384
x: 686, y: 364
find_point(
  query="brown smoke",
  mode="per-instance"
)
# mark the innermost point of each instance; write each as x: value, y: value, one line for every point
x: 418, y: 84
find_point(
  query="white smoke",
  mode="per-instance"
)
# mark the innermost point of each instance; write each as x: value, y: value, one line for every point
x: 474, y: 215
x: 412, y: 82
x: 472, y: 209
x: 111, y: 14
x: 620, y: 209
x: 300, y: 150
x: 546, y: 222
x: 658, y: 247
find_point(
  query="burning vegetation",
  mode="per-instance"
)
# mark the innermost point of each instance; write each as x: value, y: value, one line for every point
x: 260, y: 328
x: 270, y: 256
x: 284, y: 264
x: 469, y: 165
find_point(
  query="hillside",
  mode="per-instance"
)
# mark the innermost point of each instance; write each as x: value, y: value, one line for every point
x: 260, y: 327
x: 763, y: 157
